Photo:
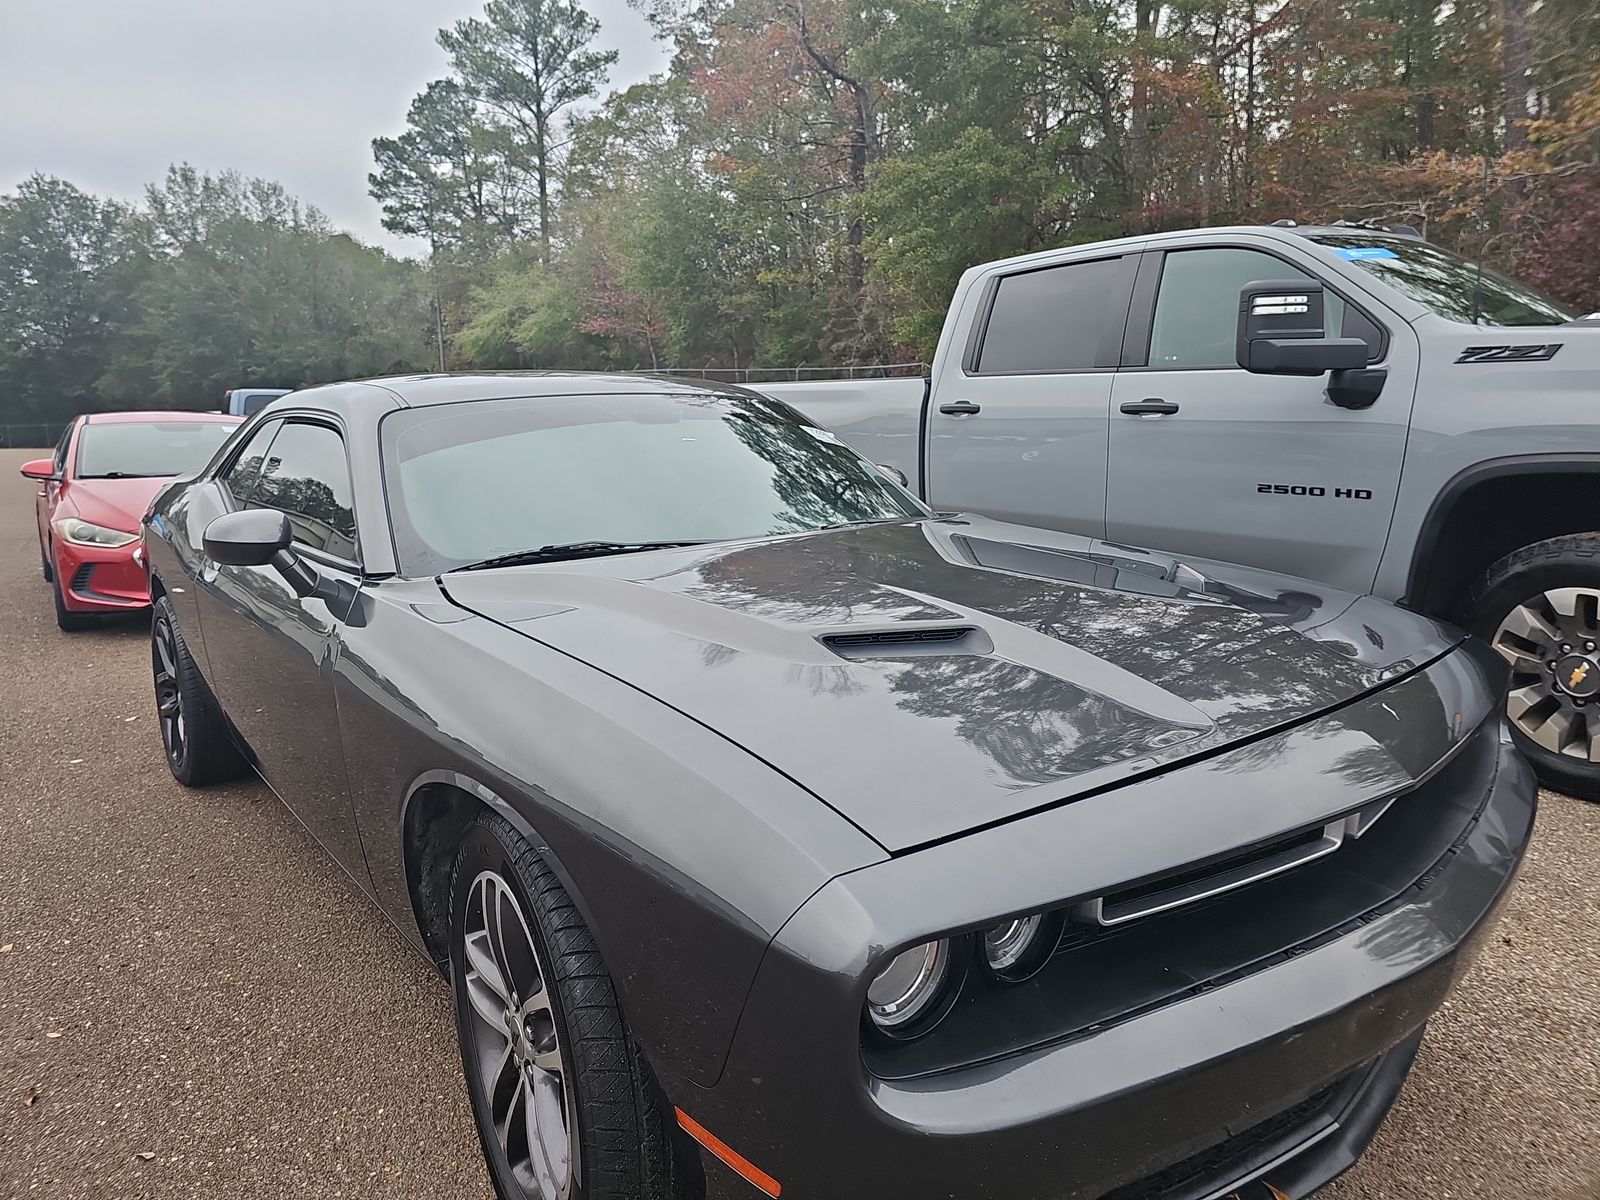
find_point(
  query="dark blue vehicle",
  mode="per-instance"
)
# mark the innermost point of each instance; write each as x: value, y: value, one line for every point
x: 247, y: 402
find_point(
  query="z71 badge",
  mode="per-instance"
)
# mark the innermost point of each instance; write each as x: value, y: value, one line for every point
x: 1534, y: 352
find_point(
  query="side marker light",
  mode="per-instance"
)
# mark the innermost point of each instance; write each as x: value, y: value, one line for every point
x: 746, y: 1169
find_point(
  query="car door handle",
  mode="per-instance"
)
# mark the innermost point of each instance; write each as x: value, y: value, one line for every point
x: 960, y: 408
x: 1149, y: 408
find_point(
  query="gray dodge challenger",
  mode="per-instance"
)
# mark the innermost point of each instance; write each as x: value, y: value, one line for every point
x: 781, y: 837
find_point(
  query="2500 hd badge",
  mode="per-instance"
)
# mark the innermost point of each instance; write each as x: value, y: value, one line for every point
x: 1313, y: 489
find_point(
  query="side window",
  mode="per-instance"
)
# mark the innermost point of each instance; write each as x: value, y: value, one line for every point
x: 1050, y: 320
x: 61, y: 449
x: 1197, y: 306
x: 306, y: 476
x: 243, y: 478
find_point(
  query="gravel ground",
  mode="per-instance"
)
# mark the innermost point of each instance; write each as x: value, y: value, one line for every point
x: 194, y: 1002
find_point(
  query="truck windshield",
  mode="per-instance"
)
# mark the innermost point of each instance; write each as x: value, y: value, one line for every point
x: 1446, y: 283
x: 477, y: 480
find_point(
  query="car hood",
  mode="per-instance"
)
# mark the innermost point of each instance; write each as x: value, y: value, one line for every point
x: 930, y: 677
x: 114, y: 503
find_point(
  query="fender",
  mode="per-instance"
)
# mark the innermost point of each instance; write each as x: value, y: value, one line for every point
x: 1426, y: 553
x: 504, y: 808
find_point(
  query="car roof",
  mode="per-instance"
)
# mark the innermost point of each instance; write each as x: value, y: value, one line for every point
x: 119, y: 418
x: 417, y: 391
x: 1280, y: 231
x: 1153, y: 241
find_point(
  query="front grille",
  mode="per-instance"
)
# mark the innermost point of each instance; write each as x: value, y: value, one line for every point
x: 1219, y: 869
x: 1246, y: 1153
x: 1104, y: 975
x: 80, y: 578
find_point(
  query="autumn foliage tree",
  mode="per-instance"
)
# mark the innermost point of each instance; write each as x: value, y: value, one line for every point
x: 808, y: 180
x: 804, y: 184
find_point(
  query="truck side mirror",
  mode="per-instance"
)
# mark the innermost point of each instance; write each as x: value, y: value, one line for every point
x: 1281, y: 331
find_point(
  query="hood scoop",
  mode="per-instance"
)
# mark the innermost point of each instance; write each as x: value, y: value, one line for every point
x: 909, y: 642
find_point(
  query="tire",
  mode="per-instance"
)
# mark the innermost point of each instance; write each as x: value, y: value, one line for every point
x: 194, y: 734
x: 45, y: 568
x: 572, y: 1052
x: 1539, y: 607
x: 66, y: 620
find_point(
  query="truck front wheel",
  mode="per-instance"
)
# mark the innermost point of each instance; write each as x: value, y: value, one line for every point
x: 1539, y: 607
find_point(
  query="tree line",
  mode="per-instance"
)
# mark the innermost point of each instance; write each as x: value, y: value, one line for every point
x: 805, y: 183
x: 212, y: 282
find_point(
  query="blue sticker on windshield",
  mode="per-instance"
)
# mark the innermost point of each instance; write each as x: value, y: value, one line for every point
x: 1359, y: 253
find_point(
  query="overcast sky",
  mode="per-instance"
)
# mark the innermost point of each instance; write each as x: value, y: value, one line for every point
x: 107, y: 93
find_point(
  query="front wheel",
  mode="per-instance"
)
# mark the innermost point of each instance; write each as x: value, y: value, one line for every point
x: 564, y: 1104
x: 1539, y: 607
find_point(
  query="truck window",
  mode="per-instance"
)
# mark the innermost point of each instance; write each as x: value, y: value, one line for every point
x: 1197, y: 306
x: 1050, y: 320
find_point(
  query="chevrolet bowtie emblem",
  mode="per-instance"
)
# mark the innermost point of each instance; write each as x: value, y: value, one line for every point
x: 1579, y: 674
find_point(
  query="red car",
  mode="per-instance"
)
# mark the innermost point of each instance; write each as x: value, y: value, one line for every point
x: 105, y: 471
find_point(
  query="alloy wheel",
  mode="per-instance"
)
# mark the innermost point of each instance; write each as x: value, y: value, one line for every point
x: 1551, y: 642
x: 520, y: 1070
x: 169, y: 696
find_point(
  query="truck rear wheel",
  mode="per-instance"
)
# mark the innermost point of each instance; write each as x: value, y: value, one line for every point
x: 1539, y: 607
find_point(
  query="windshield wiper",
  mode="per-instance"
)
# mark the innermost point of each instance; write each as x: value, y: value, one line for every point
x: 123, y: 475
x: 868, y: 521
x: 569, y: 550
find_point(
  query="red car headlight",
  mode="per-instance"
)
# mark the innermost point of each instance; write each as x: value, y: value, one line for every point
x: 87, y: 533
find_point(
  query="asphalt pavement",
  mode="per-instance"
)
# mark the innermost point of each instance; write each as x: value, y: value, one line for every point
x: 195, y: 1002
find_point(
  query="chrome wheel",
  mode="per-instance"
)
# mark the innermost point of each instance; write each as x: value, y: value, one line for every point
x: 1552, y: 642
x: 520, y: 1069
x: 169, y: 697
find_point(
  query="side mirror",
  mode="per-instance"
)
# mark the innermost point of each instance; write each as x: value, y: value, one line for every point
x: 42, y: 469
x: 1281, y: 331
x: 260, y: 537
x: 248, y: 538
x: 894, y: 473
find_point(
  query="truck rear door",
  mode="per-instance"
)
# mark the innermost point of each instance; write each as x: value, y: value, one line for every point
x: 1018, y: 421
x: 1210, y: 460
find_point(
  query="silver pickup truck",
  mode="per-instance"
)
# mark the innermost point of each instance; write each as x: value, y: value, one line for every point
x: 1342, y: 403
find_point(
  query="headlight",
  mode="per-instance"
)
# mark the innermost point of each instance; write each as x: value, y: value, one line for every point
x: 1015, y: 949
x: 85, y: 533
x: 909, y: 986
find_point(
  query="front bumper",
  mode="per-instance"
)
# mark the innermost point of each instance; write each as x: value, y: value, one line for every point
x: 102, y: 578
x: 1280, y: 1075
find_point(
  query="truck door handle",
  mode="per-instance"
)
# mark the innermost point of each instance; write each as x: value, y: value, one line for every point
x: 1149, y: 408
x: 960, y: 408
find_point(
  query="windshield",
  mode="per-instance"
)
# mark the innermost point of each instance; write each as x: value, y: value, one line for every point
x: 468, y: 482
x: 113, y: 448
x: 1446, y: 283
